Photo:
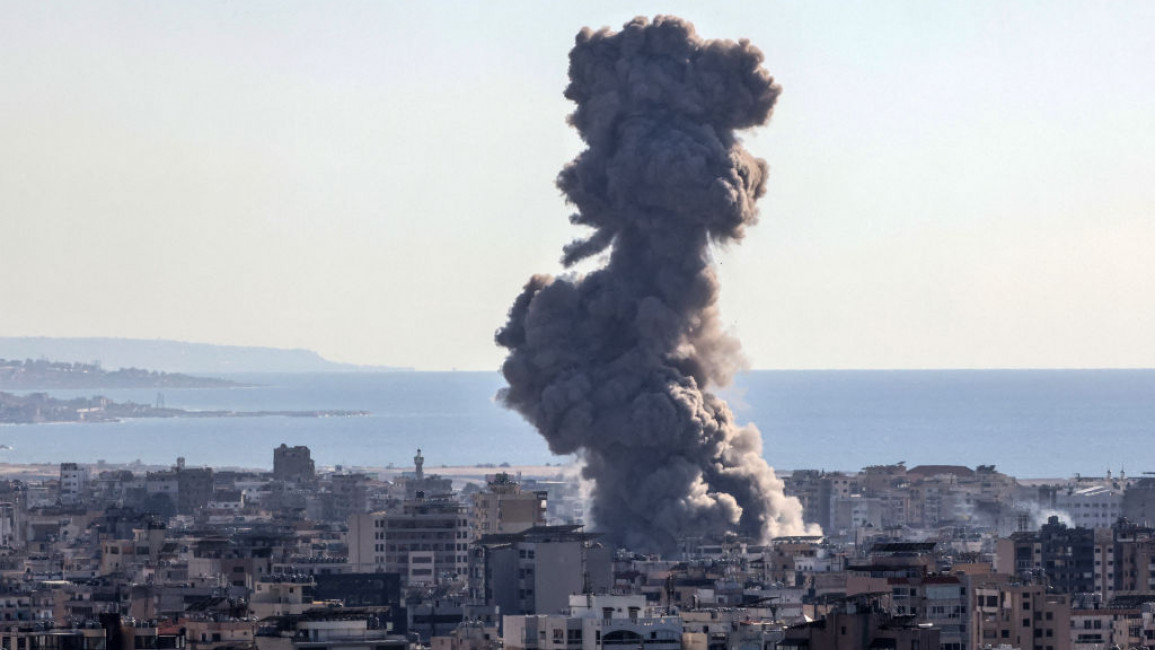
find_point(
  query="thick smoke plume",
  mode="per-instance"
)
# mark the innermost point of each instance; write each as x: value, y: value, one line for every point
x: 614, y: 366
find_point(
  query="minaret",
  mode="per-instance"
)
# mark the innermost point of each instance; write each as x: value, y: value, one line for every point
x: 418, y: 461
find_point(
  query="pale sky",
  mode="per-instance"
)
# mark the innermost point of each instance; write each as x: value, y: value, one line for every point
x: 952, y: 184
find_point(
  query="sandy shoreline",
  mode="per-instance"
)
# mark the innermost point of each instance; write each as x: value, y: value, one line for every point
x: 11, y: 472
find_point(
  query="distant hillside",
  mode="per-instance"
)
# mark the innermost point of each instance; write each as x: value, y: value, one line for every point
x: 16, y: 374
x: 39, y: 408
x: 174, y: 356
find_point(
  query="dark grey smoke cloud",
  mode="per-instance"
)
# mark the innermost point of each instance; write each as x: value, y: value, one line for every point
x: 614, y: 365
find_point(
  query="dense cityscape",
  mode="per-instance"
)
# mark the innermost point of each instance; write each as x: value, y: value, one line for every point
x: 100, y: 557
x: 368, y: 181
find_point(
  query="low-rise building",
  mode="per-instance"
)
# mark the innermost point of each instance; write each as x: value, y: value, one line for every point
x: 594, y: 622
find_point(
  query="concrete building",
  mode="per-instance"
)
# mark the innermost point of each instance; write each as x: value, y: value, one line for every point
x: 127, y: 555
x: 860, y: 622
x: 855, y: 512
x: 360, y: 589
x: 321, y: 629
x: 1097, y: 506
x: 470, y: 635
x: 813, y: 489
x: 212, y: 634
x: 1139, y: 501
x: 594, y: 623
x: 1125, y: 560
x: 73, y: 482
x: 730, y: 628
x: 294, y: 464
x: 409, y: 485
x: 504, y: 508
x: 347, y: 494
x: 186, y: 489
x: 1009, y: 612
x: 194, y: 487
x: 537, y: 570
x: 1065, y: 555
x: 281, y: 596
x: 423, y: 539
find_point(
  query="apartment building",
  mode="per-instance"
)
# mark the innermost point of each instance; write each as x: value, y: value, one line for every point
x: 594, y: 622
x: 535, y: 571
x: 422, y: 539
x: 504, y: 508
x: 1023, y: 615
x: 1097, y: 506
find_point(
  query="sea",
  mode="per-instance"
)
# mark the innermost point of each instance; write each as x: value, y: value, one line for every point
x: 1028, y: 423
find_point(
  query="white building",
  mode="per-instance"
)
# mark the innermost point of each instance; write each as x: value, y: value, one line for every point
x: 1098, y: 506
x: 73, y: 482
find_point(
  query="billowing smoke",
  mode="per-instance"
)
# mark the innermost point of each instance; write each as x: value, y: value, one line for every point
x: 614, y: 365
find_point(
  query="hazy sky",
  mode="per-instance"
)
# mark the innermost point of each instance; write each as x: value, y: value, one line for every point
x: 952, y: 184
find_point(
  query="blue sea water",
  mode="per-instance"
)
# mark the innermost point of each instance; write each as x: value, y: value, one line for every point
x: 1029, y: 423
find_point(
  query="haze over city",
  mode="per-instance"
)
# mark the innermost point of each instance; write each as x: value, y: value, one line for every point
x: 950, y: 186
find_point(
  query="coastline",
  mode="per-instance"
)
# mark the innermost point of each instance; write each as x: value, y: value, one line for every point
x: 458, y: 474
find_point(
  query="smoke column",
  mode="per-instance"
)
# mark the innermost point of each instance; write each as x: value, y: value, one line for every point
x: 614, y: 366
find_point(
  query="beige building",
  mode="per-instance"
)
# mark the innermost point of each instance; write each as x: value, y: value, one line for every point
x: 504, y: 508
x: 281, y: 596
x: 860, y: 623
x: 423, y: 539
x: 127, y: 555
x: 1008, y: 612
x: 209, y: 634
